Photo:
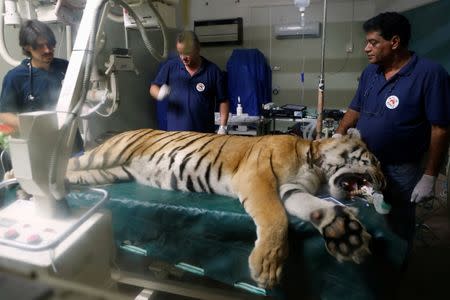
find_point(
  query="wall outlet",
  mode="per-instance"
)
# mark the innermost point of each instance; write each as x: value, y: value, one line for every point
x: 349, y: 47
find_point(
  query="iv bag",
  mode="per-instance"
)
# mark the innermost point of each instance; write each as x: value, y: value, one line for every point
x: 301, y: 4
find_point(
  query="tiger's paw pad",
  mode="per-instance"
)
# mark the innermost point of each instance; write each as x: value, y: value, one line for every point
x: 345, y: 237
x: 266, y: 262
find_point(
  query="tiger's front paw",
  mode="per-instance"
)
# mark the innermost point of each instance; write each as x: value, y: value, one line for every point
x: 345, y: 237
x: 266, y: 262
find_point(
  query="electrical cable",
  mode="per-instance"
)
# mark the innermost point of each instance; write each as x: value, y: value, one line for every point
x: 141, y: 29
x: 3, y: 50
x: 2, y: 154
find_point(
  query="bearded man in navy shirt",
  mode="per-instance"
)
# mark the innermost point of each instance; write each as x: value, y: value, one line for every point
x: 36, y: 83
x: 402, y: 110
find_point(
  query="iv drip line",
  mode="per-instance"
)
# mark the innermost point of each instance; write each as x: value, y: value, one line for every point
x: 302, y: 71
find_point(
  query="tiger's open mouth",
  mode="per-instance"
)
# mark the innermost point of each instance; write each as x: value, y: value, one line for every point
x: 354, y: 184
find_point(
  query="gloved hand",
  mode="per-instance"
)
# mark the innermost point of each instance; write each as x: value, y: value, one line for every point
x: 222, y: 129
x: 336, y: 136
x: 424, y: 189
x: 164, y: 91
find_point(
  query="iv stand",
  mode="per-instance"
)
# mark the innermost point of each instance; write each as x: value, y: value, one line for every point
x: 321, y: 87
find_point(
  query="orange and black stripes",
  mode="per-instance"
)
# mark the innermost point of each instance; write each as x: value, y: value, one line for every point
x: 206, y: 162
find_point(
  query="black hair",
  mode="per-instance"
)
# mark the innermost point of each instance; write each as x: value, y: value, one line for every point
x: 29, y: 33
x: 389, y: 24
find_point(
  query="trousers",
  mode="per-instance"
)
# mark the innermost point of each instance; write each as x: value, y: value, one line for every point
x: 401, y: 180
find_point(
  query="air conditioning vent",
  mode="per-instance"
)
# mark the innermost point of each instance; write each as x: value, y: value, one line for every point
x: 219, y: 32
x: 295, y: 30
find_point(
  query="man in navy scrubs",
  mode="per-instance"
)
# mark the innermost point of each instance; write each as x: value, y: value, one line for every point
x: 35, y: 84
x: 402, y: 109
x: 192, y: 85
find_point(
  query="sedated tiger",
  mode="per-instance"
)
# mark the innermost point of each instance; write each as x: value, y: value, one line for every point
x: 271, y: 175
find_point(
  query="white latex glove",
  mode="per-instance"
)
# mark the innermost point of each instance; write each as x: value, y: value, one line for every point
x: 424, y: 189
x: 336, y: 136
x: 164, y: 91
x: 222, y: 129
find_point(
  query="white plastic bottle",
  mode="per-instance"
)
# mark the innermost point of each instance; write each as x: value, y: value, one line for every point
x: 239, y: 107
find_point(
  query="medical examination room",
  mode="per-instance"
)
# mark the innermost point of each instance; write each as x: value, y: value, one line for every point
x: 224, y: 149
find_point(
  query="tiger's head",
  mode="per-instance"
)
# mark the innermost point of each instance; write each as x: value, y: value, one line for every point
x: 348, y: 165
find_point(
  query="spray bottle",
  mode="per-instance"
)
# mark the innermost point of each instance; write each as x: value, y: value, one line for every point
x: 239, y: 107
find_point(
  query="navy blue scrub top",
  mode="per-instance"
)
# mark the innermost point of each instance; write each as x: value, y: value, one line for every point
x: 396, y: 114
x: 46, y: 87
x: 191, y: 103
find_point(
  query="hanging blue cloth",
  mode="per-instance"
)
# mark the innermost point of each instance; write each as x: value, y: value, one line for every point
x: 250, y: 78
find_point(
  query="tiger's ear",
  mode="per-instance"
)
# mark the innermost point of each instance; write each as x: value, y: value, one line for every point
x: 353, y: 133
x: 314, y: 156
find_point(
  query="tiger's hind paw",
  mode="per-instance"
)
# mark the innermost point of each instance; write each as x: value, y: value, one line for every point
x: 266, y: 262
x: 345, y: 237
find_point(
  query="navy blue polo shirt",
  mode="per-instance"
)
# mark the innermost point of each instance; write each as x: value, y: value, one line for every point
x: 396, y: 114
x: 46, y: 86
x: 192, y: 99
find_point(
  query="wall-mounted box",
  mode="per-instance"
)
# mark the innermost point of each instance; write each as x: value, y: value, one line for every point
x: 219, y: 32
x: 296, y: 30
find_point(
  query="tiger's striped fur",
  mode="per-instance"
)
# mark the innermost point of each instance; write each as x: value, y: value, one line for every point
x: 269, y: 174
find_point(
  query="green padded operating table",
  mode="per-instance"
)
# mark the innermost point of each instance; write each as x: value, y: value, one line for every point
x: 212, y: 236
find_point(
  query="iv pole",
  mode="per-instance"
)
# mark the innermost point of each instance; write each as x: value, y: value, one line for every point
x: 321, y: 87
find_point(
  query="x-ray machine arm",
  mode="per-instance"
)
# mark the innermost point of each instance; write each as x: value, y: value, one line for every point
x: 41, y: 151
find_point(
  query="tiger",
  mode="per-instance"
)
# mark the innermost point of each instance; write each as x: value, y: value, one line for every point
x: 271, y: 175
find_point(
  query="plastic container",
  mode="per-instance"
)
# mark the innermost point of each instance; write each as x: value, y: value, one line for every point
x: 239, y: 109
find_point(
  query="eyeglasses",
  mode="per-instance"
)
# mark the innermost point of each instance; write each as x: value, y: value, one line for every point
x: 42, y: 46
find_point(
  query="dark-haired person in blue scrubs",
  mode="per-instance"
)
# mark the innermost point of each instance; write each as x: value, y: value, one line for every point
x: 192, y: 85
x: 402, y: 109
x: 35, y: 84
